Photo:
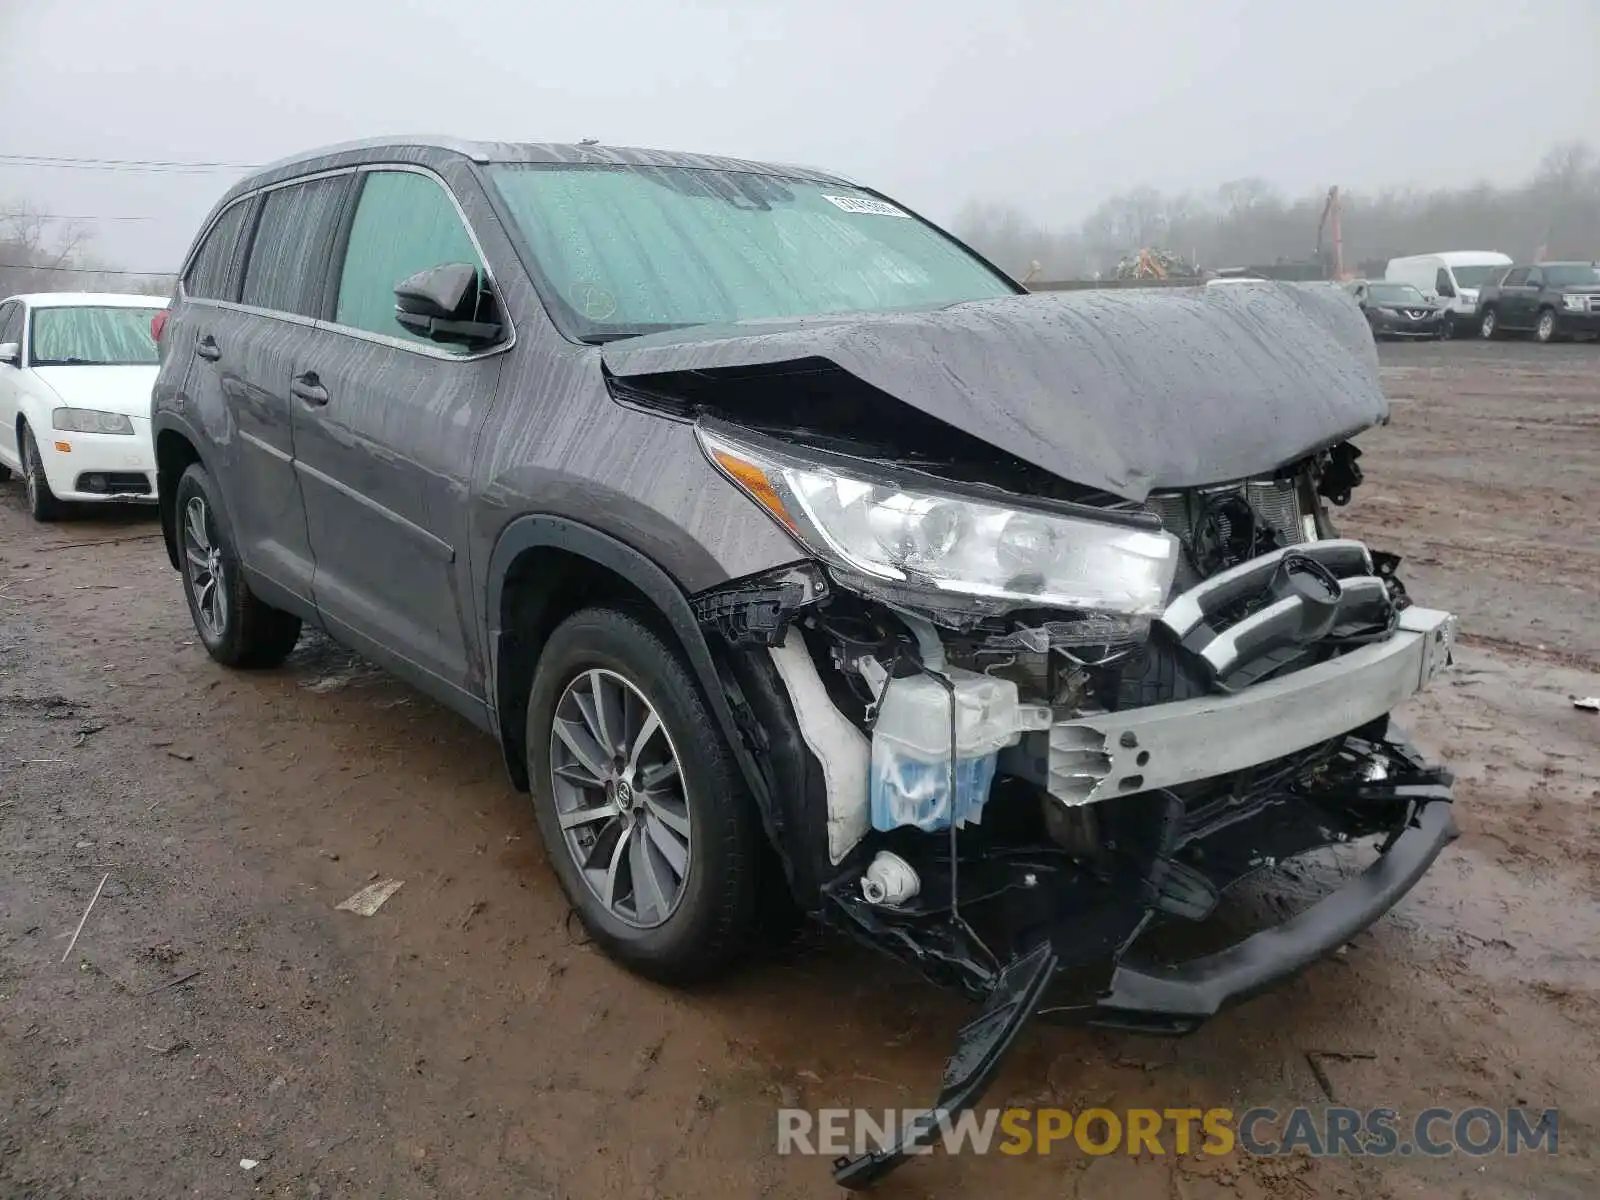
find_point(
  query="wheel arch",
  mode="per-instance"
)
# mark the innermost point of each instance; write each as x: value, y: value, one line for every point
x: 542, y: 569
x: 176, y: 447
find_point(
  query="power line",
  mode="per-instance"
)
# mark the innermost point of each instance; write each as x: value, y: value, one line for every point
x: 23, y: 216
x: 135, y: 165
x: 84, y: 270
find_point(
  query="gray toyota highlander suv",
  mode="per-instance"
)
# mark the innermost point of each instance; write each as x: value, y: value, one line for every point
x: 796, y: 557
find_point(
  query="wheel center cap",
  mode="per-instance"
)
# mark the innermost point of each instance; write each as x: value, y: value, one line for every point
x: 625, y: 798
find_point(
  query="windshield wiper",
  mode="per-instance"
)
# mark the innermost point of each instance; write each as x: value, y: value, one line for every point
x: 70, y: 360
x: 622, y: 332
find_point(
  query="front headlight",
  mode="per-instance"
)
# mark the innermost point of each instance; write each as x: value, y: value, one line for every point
x: 90, y: 420
x: 953, y: 544
x: 1574, y: 302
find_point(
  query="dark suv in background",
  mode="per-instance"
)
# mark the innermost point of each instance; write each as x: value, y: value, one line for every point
x: 1550, y: 300
x: 796, y: 556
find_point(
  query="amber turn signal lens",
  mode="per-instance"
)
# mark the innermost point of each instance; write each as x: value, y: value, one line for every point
x: 754, y: 480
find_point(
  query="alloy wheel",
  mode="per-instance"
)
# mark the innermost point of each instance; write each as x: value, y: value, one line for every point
x: 620, y: 798
x: 1487, y: 328
x: 30, y: 480
x: 203, y: 562
x: 1547, y: 326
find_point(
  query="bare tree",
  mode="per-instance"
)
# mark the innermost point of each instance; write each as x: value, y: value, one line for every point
x: 39, y: 254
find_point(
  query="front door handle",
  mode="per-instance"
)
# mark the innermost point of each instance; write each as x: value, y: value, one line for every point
x: 309, y: 388
x: 208, y: 349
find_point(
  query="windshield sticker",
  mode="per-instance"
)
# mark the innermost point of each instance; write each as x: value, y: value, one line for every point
x: 865, y: 204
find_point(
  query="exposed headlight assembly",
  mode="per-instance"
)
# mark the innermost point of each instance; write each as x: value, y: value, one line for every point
x: 90, y: 420
x: 960, y: 545
x: 1574, y: 301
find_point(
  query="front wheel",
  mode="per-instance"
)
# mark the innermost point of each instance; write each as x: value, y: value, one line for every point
x: 237, y: 628
x: 1489, y: 324
x: 42, y: 502
x: 648, y: 824
x: 1545, y: 331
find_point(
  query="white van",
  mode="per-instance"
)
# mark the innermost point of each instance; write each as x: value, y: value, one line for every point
x: 1454, y: 276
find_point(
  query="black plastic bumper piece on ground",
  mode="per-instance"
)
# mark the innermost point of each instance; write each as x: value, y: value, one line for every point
x: 981, y: 1047
x: 1179, y: 997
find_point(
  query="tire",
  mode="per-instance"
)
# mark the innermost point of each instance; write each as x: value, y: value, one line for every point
x: 42, y: 502
x: 1489, y: 324
x: 707, y: 921
x: 235, y: 626
x: 1446, y: 330
x: 1548, y: 328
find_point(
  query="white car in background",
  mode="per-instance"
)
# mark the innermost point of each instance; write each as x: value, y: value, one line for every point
x: 76, y: 369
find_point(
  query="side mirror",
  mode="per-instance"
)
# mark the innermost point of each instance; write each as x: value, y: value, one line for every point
x: 10, y: 354
x: 448, y: 304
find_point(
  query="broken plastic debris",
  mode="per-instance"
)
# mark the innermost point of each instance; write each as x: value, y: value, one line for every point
x: 1588, y: 703
x: 371, y: 898
x: 248, y: 1164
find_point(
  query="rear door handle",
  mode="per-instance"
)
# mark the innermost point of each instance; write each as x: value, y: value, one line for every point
x: 208, y: 349
x: 309, y: 388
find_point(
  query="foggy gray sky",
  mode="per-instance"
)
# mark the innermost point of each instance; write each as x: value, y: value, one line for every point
x: 1047, y: 104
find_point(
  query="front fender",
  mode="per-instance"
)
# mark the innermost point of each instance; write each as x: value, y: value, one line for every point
x: 561, y: 533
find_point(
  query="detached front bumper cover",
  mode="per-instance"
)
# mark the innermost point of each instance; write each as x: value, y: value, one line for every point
x: 1177, y: 998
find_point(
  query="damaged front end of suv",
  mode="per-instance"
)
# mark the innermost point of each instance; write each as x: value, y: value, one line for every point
x: 1073, y: 646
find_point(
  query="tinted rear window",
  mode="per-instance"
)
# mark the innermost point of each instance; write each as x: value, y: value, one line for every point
x: 290, y: 252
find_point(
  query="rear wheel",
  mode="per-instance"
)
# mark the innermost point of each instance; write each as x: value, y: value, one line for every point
x: 42, y: 502
x: 1547, y: 328
x: 237, y: 628
x: 649, y: 828
x: 1489, y: 324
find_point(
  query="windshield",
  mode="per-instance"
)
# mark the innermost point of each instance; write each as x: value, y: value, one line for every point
x: 1571, y: 275
x: 92, y: 336
x: 628, y: 250
x: 1395, y: 293
x: 1475, y: 277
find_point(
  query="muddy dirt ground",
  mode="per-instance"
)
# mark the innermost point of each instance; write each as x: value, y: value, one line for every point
x: 465, y: 1042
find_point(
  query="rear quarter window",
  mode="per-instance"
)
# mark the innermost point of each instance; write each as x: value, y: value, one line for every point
x: 289, y: 255
x: 212, y: 275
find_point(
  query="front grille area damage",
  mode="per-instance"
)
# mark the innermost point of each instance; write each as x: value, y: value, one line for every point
x: 1010, y: 802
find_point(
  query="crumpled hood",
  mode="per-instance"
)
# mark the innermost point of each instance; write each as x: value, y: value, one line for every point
x: 116, y: 389
x: 1127, y: 391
